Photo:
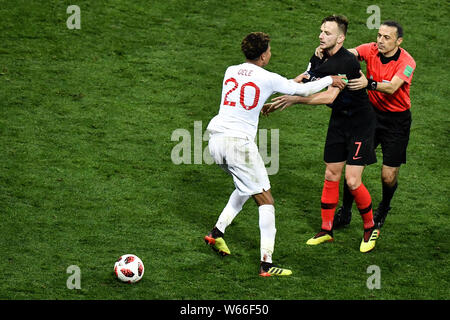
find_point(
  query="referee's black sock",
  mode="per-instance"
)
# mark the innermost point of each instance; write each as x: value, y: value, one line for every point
x: 347, y: 201
x: 388, y: 193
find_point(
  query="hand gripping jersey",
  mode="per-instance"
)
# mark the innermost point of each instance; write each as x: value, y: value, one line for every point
x: 402, y: 65
x: 246, y: 87
x: 342, y: 62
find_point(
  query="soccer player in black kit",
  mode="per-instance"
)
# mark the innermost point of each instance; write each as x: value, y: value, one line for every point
x: 349, y: 143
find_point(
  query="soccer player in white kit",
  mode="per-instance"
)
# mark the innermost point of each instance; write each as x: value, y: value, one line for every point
x: 232, y: 145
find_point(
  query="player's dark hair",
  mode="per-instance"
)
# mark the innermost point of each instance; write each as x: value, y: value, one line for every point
x: 395, y: 24
x: 255, y: 44
x: 341, y: 21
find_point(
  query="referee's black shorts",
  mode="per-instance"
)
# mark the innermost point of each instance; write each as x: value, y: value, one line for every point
x: 350, y: 137
x: 392, y: 133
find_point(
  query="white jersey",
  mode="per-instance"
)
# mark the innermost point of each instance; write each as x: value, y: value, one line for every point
x: 246, y: 87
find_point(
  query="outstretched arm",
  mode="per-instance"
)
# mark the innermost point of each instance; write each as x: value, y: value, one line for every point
x: 282, y: 102
x: 307, y: 89
x: 385, y: 87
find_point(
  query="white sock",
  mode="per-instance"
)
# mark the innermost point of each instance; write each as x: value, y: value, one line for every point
x: 231, y: 210
x: 268, y: 231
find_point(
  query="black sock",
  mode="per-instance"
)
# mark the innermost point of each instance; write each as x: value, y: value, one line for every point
x: 347, y: 201
x: 330, y: 232
x: 388, y: 193
x: 216, y: 233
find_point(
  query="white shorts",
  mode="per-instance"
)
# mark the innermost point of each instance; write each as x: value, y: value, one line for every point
x: 240, y: 158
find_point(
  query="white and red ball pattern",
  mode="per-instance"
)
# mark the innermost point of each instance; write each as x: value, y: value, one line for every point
x: 129, y: 268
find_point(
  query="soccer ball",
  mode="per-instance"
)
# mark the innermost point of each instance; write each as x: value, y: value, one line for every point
x: 129, y: 268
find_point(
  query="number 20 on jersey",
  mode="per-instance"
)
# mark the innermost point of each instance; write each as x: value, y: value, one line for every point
x: 244, y: 87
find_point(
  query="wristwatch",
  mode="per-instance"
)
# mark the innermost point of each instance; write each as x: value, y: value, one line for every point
x: 371, y: 84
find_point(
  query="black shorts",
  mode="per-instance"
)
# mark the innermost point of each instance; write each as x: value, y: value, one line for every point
x: 350, y: 137
x: 392, y: 133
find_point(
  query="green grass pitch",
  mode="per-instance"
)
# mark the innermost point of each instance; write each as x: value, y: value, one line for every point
x: 86, y: 174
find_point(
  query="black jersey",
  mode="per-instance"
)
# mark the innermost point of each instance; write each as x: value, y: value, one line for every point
x: 345, y: 63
